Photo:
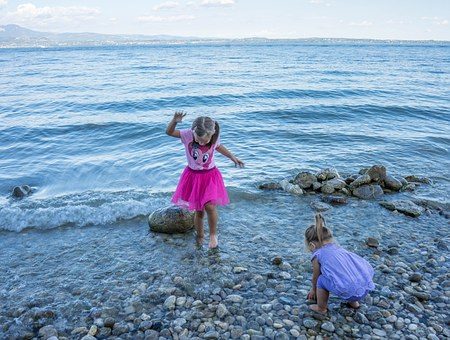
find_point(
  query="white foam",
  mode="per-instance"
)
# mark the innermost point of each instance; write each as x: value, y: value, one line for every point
x: 97, y: 209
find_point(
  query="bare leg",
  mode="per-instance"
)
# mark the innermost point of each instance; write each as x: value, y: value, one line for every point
x: 322, y: 301
x: 211, y: 211
x: 198, y: 223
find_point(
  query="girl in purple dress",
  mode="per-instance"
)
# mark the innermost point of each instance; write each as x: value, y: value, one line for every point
x: 201, y: 186
x: 335, y: 269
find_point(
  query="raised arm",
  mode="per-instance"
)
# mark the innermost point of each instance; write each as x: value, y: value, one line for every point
x: 224, y: 151
x: 177, y: 117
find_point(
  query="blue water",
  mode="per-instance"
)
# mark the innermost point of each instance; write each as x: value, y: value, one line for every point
x: 85, y: 126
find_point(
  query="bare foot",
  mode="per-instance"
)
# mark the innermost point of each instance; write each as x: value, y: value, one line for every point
x: 198, y: 240
x: 213, y: 242
x: 317, y: 309
x: 353, y: 304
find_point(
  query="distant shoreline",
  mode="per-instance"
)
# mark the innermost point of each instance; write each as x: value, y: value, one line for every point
x: 306, y: 41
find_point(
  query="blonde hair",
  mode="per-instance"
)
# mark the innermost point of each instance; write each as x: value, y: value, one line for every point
x: 318, y: 233
x: 206, y: 126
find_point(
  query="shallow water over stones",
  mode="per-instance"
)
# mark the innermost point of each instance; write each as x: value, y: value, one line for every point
x: 123, y: 281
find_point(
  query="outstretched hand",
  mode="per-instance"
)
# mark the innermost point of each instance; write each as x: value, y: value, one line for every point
x: 237, y: 162
x: 178, y: 116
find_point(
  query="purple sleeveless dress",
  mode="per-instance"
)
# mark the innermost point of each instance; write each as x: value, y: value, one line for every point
x: 343, y: 273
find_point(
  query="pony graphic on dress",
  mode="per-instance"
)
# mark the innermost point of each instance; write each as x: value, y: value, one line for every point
x: 202, y: 154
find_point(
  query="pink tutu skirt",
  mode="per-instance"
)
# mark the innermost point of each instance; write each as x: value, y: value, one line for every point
x: 198, y: 187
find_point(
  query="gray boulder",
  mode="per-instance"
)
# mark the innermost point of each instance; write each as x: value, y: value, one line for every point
x: 418, y: 179
x: 171, y: 220
x: 405, y: 207
x: 326, y: 174
x: 336, y: 183
x: 305, y: 180
x: 377, y: 173
x: 392, y: 183
x: 270, y: 186
x: 327, y: 188
x: 21, y: 191
x: 360, y: 180
x: 367, y: 192
x: 334, y: 199
x: 291, y: 188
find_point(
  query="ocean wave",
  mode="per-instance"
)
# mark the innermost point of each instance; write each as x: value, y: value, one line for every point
x: 91, y: 208
x: 79, y: 210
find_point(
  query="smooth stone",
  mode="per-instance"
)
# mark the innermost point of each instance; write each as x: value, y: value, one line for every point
x: 170, y: 302
x: 334, y: 199
x: 367, y: 192
x: 320, y: 206
x: 277, y: 260
x: 21, y: 191
x: 234, y: 298
x: 171, y: 220
x: 336, y: 183
x: 392, y: 183
x: 416, y: 277
x: 377, y: 172
x: 305, y: 180
x: 328, y: 326
x: 48, y: 331
x: 291, y: 188
x: 327, y: 188
x: 326, y: 174
x: 372, y: 242
x: 418, y: 179
x: 270, y: 186
x: 405, y: 207
x: 221, y: 311
x: 360, y: 180
x: 309, y: 323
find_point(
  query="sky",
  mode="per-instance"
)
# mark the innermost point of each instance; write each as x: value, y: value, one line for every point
x: 366, y: 19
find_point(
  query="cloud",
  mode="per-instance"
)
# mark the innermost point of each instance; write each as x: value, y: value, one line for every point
x: 436, y: 20
x: 319, y: 2
x: 166, y: 5
x: 364, y: 23
x: 217, y: 3
x: 3, y: 3
x: 173, y: 18
x: 41, y: 16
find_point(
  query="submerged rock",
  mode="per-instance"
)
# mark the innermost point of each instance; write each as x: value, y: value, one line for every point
x: 21, y: 191
x: 405, y: 207
x: 418, y: 179
x: 320, y: 206
x: 270, y: 186
x: 171, y: 220
x: 334, y: 199
x: 367, y: 192
x: 372, y: 242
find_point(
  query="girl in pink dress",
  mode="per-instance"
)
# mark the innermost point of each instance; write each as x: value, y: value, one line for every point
x: 201, y: 186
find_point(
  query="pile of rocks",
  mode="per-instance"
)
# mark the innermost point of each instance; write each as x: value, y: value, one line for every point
x: 369, y: 183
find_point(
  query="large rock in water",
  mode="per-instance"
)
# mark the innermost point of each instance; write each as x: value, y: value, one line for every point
x: 405, y: 207
x: 377, y: 173
x: 368, y: 192
x: 305, y: 180
x: 21, y: 191
x: 326, y: 174
x: 171, y: 220
x: 392, y: 183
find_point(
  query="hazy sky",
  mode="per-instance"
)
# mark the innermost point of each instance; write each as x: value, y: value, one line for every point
x: 379, y: 19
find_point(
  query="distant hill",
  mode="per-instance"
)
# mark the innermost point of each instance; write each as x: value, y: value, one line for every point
x: 15, y: 35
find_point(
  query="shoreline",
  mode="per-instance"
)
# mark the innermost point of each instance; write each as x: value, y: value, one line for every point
x: 122, y: 281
